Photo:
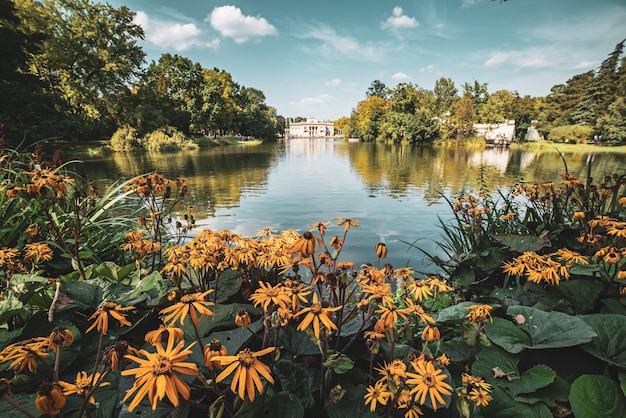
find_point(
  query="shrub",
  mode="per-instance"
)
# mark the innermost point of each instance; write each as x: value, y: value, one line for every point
x: 571, y: 133
x: 166, y: 140
x: 124, y: 139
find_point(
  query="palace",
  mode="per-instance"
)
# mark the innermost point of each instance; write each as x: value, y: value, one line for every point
x: 312, y: 128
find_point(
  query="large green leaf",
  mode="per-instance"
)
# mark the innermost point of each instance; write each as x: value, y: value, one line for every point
x: 537, y: 377
x: 223, y: 317
x: 522, y: 243
x: 544, y: 329
x: 228, y: 284
x: 504, y: 406
x: 496, y: 366
x: 298, y: 343
x: 610, y: 342
x: 77, y: 294
x: 26, y: 400
x: 296, y: 379
x: 593, y: 396
x: 284, y: 405
x: 507, y: 335
x: 351, y: 404
x: 581, y: 294
x: 8, y: 308
x: 455, y: 313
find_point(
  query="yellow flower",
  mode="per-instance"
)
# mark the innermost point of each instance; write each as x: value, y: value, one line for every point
x: 578, y: 216
x: 192, y: 305
x: 305, y: 245
x: 320, y: 226
x: 381, y: 250
x: 443, y: 360
x: 38, y: 252
x: 163, y: 334
x: 247, y: 368
x: 211, y: 350
x: 60, y: 337
x: 101, y: 316
x: 268, y: 294
x: 428, y: 381
x: 242, y: 318
x: 316, y: 314
x: 25, y: 354
x: 50, y: 399
x: 430, y: 333
x: 566, y: 254
x: 378, y: 393
x: 389, y: 314
x: 347, y: 223
x: 420, y: 290
x: 479, y: 312
x: 115, y: 353
x: 83, y: 385
x: 479, y: 396
x: 298, y: 292
x: 157, y: 375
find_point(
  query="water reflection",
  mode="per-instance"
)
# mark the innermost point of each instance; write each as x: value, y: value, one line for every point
x: 395, y: 191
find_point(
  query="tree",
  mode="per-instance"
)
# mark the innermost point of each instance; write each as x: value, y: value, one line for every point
x: 446, y: 94
x: 498, y: 107
x: 478, y: 92
x: 89, y: 56
x: 612, y: 126
x: 368, y: 117
x: 464, y: 116
x: 377, y: 89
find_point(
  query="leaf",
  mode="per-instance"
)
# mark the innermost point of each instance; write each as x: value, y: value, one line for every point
x: 296, y: 379
x: 78, y: 295
x: 26, y: 400
x: 537, y: 377
x: 223, y: 317
x: 494, y: 358
x: 339, y: 363
x: 522, y: 243
x: 464, y: 275
x: 234, y: 339
x: 456, y: 350
x: 610, y: 342
x: 507, y: 335
x: 581, y: 294
x: 351, y: 404
x: 551, y: 329
x: 8, y: 308
x: 455, y: 313
x: 228, y: 284
x: 284, y: 405
x: 298, y: 343
x: 594, y: 396
x: 504, y: 406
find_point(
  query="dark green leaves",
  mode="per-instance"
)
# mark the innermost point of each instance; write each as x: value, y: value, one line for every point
x: 594, y: 396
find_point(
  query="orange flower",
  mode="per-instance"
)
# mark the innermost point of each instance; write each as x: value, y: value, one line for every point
x: 316, y: 314
x: 347, y: 223
x: 50, y: 399
x: 192, y: 305
x: 247, y: 368
x: 211, y: 350
x: 268, y: 294
x: 163, y: 334
x: 101, y: 316
x: 428, y: 381
x: 83, y: 385
x: 157, y: 375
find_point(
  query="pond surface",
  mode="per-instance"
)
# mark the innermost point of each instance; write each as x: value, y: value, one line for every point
x: 394, y: 191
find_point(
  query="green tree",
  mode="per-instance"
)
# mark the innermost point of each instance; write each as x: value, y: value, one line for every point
x: 478, y: 92
x: 377, y: 89
x: 446, y: 94
x: 88, y: 57
x: 612, y: 126
x: 369, y: 116
x: 463, y: 116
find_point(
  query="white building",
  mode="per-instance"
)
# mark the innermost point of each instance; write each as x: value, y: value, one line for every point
x: 496, y: 133
x: 312, y: 128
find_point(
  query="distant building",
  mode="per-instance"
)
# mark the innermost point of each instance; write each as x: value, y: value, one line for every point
x: 496, y: 133
x: 312, y: 128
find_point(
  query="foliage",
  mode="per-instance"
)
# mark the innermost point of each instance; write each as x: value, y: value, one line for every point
x: 166, y: 139
x: 571, y: 134
x: 124, y: 139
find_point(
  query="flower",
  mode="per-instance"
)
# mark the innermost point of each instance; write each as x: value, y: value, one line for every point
x: 578, y: 216
x: 347, y: 223
x: 479, y: 396
x: 213, y: 349
x: 60, y: 337
x: 115, y: 353
x: 443, y: 360
x: 157, y: 375
x: 428, y: 381
x: 315, y: 314
x: 242, y: 319
x: 82, y: 387
x: 268, y: 294
x: 163, y: 334
x: 25, y: 354
x: 479, y: 312
x: 38, y: 252
x: 377, y: 394
x: 50, y: 399
x: 247, y: 368
x: 381, y: 250
x: 430, y: 333
x: 102, y: 316
x: 192, y: 304
x: 389, y: 313
x: 305, y: 245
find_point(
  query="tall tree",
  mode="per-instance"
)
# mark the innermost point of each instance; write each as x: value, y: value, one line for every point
x: 377, y: 89
x: 89, y: 55
x: 446, y: 94
x: 368, y: 117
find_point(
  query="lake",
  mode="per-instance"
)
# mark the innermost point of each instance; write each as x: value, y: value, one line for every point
x: 394, y: 191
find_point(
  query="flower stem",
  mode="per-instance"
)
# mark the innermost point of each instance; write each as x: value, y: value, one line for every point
x: 17, y: 406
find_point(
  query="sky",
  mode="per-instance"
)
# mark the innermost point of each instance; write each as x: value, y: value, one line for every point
x: 318, y: 58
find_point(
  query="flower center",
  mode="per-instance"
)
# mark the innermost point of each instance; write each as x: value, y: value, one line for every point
x: 163, y: 365
x: 246, y: 359
x: 429, y: 380
x: 272, y: 293
x: 188, y: 299
x: 316, y: 308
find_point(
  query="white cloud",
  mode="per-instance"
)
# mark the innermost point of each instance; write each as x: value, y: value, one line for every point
x: 333, y: 44
x: 586, y: 65
x: 322, y: 98
x: 470, y: 3
x: 399, y: 20
x: 400, y: 76
x: 531, y: 58
x: 335, y: 82
x: 179, y: 36
x: 231, y: 23
x: 429, y: 68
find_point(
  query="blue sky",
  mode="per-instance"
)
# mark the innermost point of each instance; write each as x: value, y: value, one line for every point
x: 317, y: 58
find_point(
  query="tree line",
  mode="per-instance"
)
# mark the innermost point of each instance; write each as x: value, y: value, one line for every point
x: 588, y: 105
x: 74, y: 69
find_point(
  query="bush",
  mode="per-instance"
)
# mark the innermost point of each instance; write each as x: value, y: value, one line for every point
x: 166, y: 139
x: 571, y: 134
x: 124, y: 139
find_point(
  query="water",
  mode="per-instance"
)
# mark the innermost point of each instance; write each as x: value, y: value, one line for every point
x: 394, y: 191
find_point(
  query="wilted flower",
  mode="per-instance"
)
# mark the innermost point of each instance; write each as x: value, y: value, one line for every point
x: 50, y: 399
x: 101, y: 316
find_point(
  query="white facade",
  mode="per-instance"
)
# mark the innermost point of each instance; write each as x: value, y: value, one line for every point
x: 312, y: 128
x: 496, y: 131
